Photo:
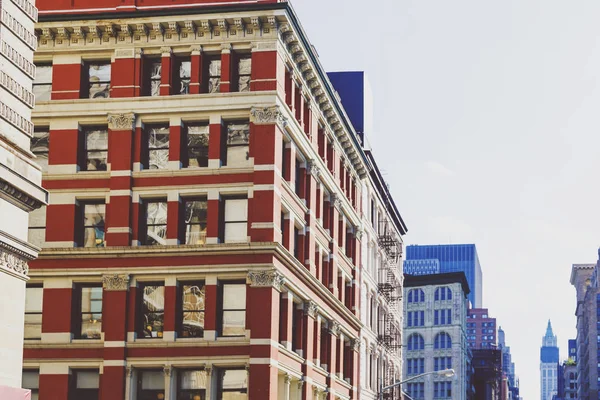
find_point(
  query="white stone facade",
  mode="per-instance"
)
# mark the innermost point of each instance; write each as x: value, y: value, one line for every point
x: 458, y: 351
x: 379, y: 364
x: 20, y: 177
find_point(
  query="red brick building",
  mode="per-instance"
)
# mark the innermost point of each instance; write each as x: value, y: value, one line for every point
x: 204, y: 219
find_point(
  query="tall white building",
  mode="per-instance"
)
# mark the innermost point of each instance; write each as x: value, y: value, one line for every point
x: 381, y: 290
x: 20, y: 180
x: 435, y: 312
x: 548, y: 364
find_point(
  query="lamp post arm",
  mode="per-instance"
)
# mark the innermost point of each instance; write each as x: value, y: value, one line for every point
x: 393, y: 385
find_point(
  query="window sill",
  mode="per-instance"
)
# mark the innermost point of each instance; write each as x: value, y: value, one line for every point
x: 90, y: 341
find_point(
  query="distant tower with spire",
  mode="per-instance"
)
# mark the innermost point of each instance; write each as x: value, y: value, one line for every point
x: 548, y: 364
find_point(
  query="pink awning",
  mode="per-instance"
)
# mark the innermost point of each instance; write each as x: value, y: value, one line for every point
x: 10, y: 393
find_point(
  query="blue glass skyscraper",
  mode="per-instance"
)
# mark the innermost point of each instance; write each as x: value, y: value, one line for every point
x: 442, y: 258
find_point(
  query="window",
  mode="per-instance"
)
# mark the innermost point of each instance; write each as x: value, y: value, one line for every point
x: 415, y: 366
x: 192, y: 310
x: 235, y: 227
x: 85, y: 385
x: 191, y: 384
x: 154, y: 231
x: 237, y: 144
x: 92, y: 234
x: 416, y: 318
x: 87, y: 318
x: 442, y: 341
x: 157, y: 137
x: 197, y: 145
x: 152, y: 310
x: 442, y: 390
x: 40, y: 144
x: 98, y: 80
x: 37, y: 227
x: 416, y: 296
x: 443, y: 293
x: 150, y: 385
x: 95, y: 148
x: 441, y: 363
x: 34, y: 296
x: 416, y: 390
x: 416, y: 342
x: 233, y: 311
x: 153, y: 76
x: 243, y: 73
x: 183, y: 73
x: 233, y: 384
x: 442, y: 317
x: 31, y: 381
x: 42, y: 84
x: 195, y: 221
x: 214, y: 74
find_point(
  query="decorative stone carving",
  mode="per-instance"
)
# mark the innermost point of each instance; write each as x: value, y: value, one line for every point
x: 121, y: 122
x: 287, y: 378
x: 300, y: 384
x: 129, y: 371
x: 115, y: 282
x: 268, y: 115
x: 311, y: 309
x: 336, y: 201
x: 208, y: 370
x: 313, y: 169
x: 13, y: 261
x: 355, y: 345
x: 334, y: 328
x: 265, y: 278
x: 16, y: 196
x: 359, y: 234
x: 167, y: 369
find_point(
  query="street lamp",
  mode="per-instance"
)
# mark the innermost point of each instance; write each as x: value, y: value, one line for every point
x: 444, y: 373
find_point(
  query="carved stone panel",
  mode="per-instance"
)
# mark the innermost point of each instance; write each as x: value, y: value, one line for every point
x: 115, y: 282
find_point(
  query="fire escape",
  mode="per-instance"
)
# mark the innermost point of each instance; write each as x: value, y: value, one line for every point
x: 390, y: 287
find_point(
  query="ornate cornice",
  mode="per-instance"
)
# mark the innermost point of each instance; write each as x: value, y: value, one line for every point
x: 121, y: 122
x: 268, y: 115
x: 13, y: 260
x: 115, y: 282
x: 17, y: 196
x: 265, y: 278
x: 311, y: 308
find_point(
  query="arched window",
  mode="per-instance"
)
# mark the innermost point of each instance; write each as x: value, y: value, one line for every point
x: 416, y: 342
x: 443, y: 293
x: 416, y: 296
x: 442, y: 341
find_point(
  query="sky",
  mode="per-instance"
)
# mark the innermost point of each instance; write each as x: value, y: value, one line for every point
x: 487, y: 125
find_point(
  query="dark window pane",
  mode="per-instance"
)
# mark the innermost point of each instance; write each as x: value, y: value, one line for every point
x: 195, y: 222
x: 197, y: 145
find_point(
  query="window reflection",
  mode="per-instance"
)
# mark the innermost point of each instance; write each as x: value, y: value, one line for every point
x: 185, y: 73
x: 155, y: 76
x: 193, y: 304
x: 96, y: 148
x: 238, y: 140
x: 151, y: 385
x: 195, y: 221
x: 37, y: 227
x: 192, y: 385
x: 40, y: 144
x: 91, y: 313
x: 158, y: 146
x: 214, y: 76
x: 99, y: 80
x: 197, y: 145
x: 244, y: 70
x: 153, y: 307
x: 42, y: 84
x: 236, y: 220
x: 156, y: 223
x: 93, y: 225
x: 233, y: 384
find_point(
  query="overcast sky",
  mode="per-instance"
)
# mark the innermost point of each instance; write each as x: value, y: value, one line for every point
x: 487, y: 123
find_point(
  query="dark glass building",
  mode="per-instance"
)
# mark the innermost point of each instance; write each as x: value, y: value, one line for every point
x: 442, y: 258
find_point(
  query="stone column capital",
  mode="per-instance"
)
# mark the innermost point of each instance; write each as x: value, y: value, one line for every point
x: 121, y: 122
x: 265, y: 278
x: 115, y: 282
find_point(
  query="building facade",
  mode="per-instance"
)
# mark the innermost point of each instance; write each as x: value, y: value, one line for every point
x: 481, y: 329
x: 428, y: 259
x: 569, y: 380
x: 435, y: 313
x: 20, y: 178
x: 508, y: 366
x: 488, y: 378
x: 584, y: 279
x: 205, y: 220
x: 548, y: 363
